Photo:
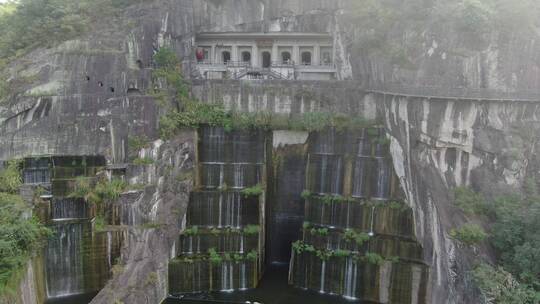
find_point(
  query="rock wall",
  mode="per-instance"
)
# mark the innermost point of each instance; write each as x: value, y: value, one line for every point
x: 287, y: 97
x: 141, y: 276
x: 439, y: 144
x: 86, y: 96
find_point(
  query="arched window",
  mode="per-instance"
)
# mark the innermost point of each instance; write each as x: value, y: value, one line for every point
x: 266, y: 59
x: 246, y: 57
x: 286, y: 58
x: 306, y: 58
x: 226, y: 56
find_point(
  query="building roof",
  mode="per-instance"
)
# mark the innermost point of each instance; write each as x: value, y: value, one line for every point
x: 256, y: 35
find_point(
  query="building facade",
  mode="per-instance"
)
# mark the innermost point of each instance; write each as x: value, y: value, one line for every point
x: 300, y: 56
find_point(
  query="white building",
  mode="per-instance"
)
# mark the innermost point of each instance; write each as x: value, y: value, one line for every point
x: 302, y: 56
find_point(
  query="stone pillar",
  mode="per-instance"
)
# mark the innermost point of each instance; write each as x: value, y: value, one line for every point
x: 316, y: 55
x: 234, y: 54
x: 213, y: 54
x: 296, y: 54
x: 275, y: 53
x: 255, y: 56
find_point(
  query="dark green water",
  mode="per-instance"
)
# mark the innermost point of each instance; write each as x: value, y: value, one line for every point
x: 273, y: 289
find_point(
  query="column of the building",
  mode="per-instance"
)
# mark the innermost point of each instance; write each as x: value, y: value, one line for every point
x: 296, y: 54
x: 234, y: 53
x: 255, y: 56
x: 275, y: 53
x: 317, y: 55
x: 213, y: 54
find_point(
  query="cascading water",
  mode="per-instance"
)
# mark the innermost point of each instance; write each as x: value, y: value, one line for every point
x: 359, y: 177
x: 323, y: 275
x: 229, y: 162
x: 36, y: 171
x: 243, y: 284
x: 350, y: 279
x: 64, y: 260
x: 382, y: 189
x: 343, y: 227
x: 371, y: 231
x: 68, y: 209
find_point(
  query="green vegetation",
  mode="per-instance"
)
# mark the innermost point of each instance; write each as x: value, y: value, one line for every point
x: 10, y: 177
x: 135, y: 144
x: 100, y: 192
x: 469, y: 234
x: 502, y: 287
x: 99, y: 223
x: 143, y: 161
x: 330, y: 199
x: 196, y: 114
x: 217, y: 258
x: 352, y: 236
x: 176, y: 94
x: 251, y: 229
x: 325, y: 254
x: 319, y: 231
x: 514, y: 222
x: 193, y: 230
x: 469, y: 201
x: 254, y: 191
x: 252, y: 255
x: 373, y: 258
x: 27, y: 24
x: 306, y: 194
x: 20, y: 236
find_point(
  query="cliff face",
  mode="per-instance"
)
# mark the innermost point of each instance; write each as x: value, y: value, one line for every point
x: 142, y: 273
x: 85, y: 97
x: 439, y: 144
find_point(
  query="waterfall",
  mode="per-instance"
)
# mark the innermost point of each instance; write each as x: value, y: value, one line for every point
x: 336, y: 179
x: 221, y: 175
x: 212, y: 145
x: 68, y: 209
x: 359, y: 177
x: 323, y: 270
x: 383, y: 179
x: 371, y: 232
x: 324, y: 164
x: 242, y: 243
x: 350, y: 279
x: 223, y: 276
x: 364, y: 145
x: 36, y: 171
x: 64, y: 261
x: 243, y: 276
x: 238, y: 208
x: 109, y: 248
x: 238, y: 175
x: 220, y: 208
x: 227, y: 276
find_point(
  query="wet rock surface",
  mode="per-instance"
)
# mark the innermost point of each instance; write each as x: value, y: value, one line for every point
x: 87, y: 96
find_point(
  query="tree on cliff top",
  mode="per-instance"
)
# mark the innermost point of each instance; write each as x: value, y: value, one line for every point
x: 33, y: 23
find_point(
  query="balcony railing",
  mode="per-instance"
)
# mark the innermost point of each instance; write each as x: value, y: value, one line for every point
x: 240, y: 69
